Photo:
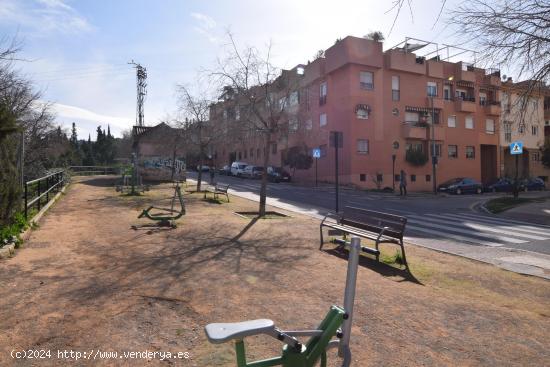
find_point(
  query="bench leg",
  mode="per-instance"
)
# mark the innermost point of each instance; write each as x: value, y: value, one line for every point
x: 377, y: 249
x: 227, y: 196
x: 321, y: 235
x: 403, y: 253
x: 205, y: 194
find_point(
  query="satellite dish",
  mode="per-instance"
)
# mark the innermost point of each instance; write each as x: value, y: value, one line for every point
x: 504, y: 77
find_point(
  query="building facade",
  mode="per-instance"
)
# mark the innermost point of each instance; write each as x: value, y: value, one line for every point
x: 384, y: 103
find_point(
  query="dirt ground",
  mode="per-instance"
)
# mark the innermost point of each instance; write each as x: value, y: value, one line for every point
x: 87, y: 282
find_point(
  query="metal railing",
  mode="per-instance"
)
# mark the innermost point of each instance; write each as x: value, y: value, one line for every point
x: 36, y: 190
x: 93, y: 170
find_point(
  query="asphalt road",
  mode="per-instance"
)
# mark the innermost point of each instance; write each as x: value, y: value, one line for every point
x: 437, y: 222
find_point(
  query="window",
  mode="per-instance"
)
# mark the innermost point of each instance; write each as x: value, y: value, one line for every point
x: 282, y: 103
x: 482, y: 99
x: 366, y: 80
x: 322, y: 119
x: 460, y: 94
x: 419, y: 147
x: 237, y: 113
x: 413, y: 178
x: 490, y: 126
x: 294, y: 98
x: 273, y: 148
x: 451, y: 121
x: 437, y: 150
x: 225, y: 114
x: 428, y: 178
x: 293, y: 124
x: 507, y: 131
x: 432, y: 89
x: 436, y: 117
x: 309, y: 124
x: 397, y: 178
x: 245, y: 154
x: 536, y: 156
x: 379, y: 177
x: 323, y: 149
x: 412, y: 117
x: 452, y: 151
x: 362, y: 146
x: 322, y: 93
x: 395, y: 88
x: 240, y: 156
x: 251, y: 152
x: 447, y: 92
x: 469, y: 122
x: 470, y: 152
x: 521, y: 129
x: 258, y: 153
x: 362, y: 177
x: 362, y: 113
x: 534, y: 130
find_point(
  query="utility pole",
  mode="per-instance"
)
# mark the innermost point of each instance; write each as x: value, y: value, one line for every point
x: 141, y: 84
x: 434, y: 155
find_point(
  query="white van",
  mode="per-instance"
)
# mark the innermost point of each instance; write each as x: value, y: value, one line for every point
x: 237, y: 168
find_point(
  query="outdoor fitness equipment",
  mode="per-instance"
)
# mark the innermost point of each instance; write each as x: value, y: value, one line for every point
x: 337, y: 323
x: 166, y: 216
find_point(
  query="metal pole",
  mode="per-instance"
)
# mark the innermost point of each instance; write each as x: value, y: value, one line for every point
x: 26, y: 200
x: 434, y: 155
x: 316, y: 180
x: 336, y: 169
x: 393, y: 172
x: 47, y: 189
x: 39, y: 195
x: 349, y: 299
x: 516, y: 186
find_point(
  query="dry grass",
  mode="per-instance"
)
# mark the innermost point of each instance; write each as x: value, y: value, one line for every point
x: 85, y: 280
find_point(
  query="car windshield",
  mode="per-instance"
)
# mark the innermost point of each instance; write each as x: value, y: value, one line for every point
x: 242, y: 166
x: 258, y: 168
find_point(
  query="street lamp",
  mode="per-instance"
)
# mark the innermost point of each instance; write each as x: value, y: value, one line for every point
x: 434, y: 155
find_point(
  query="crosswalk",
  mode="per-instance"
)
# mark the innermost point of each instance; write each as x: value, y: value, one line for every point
x: 475, y: 229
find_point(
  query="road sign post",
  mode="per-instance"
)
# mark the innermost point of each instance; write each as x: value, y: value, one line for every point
x: 336, y: 141
x: 516, y: 148
x: 316, y: 155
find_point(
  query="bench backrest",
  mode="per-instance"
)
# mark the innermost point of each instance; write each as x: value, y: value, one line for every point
x: 222, y: 188
x: 374, y: 221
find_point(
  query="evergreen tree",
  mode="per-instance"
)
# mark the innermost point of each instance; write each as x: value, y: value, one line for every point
x: 74, y: 137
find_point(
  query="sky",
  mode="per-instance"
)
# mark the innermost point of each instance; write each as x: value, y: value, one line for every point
x: 78, y: 52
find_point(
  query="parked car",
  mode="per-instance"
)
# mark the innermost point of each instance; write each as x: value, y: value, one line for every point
x: 237, y: 168
x: 225, y: 171
x: 461, y: 185
x: 253, y: 171
x: 276, y: 174
x: 532, y: 184
x: 204, y: 168
x: 503, y: 184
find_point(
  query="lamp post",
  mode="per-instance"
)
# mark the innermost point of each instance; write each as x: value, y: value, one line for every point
x: 434, y: 155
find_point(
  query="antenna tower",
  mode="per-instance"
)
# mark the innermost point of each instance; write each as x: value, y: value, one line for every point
x: 141, y: 76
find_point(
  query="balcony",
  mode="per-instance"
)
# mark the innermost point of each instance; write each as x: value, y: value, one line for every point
x: 465, y: 72
x: 438, y: 103
x: 465, y: 104
x: 406, y: 61
x: 492, y: 77
x: 414, y: 130
x: 435, y: 69
x: 492, y: 108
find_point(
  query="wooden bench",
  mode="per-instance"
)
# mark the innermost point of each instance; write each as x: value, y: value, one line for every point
x: 218, y: 189
x: 377, y: 226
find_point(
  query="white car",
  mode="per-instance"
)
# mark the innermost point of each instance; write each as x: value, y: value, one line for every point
x: 237, y: 168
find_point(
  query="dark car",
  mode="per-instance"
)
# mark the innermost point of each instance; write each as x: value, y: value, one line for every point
x: 461, y: 185
x: 253, y: 171
x: 532, y: 184
x: 503, y: 184
x: 276, y: 174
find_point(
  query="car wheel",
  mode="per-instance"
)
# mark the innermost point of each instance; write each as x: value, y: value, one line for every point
x: 478, y: 191
x: 459, y: 191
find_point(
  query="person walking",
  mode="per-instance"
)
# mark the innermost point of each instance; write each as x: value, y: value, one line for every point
x: 403, y: 183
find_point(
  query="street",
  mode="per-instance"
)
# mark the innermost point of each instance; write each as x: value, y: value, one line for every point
x: 443, y: 222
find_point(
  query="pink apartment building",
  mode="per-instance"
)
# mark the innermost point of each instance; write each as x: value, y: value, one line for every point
x: 382, y: 102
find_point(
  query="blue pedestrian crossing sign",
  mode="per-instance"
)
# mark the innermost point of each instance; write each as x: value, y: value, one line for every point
x: 516, y: 147
x: 316, y: 153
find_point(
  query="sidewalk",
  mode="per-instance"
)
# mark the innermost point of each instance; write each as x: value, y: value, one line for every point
x: 518, y: 261
x: 532, y: 212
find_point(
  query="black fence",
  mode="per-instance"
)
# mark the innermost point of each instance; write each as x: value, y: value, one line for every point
x: 93, y: 170
x: 37, y: 192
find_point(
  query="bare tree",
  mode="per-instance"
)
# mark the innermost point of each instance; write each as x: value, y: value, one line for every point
x: 194, y: 111
x: 263, y: 93
x: 510, y: 33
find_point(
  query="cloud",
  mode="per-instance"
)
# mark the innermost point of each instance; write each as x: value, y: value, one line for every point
x: 44, y: 17
x: 206, y: 26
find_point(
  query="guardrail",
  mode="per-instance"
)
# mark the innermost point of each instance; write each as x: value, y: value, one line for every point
x: 36, y: 190
x: 93, y: 170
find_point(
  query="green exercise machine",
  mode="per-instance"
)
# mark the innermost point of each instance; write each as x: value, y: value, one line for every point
x: 333, y: 332
x: 166, y: 217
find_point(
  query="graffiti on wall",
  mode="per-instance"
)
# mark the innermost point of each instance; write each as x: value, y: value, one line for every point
x: 160, y: 168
